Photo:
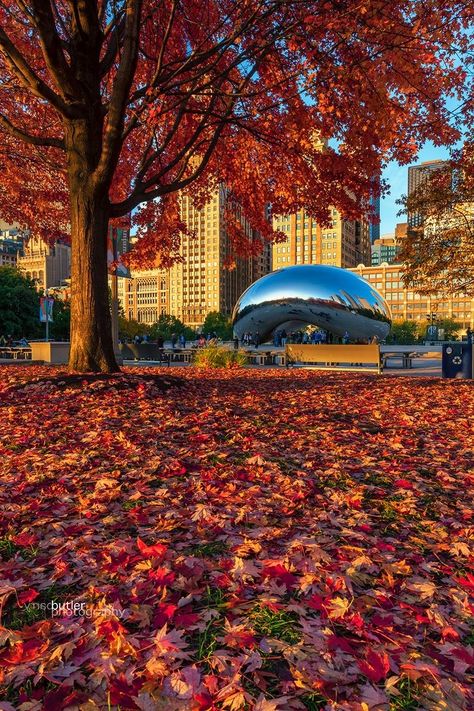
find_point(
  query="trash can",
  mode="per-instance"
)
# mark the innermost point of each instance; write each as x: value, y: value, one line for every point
x: 457, y: 360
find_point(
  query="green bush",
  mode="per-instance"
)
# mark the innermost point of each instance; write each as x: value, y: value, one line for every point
x: 219, y: 357
x: 404, y: 332
x: 218, y: 323
x: 167, y: 325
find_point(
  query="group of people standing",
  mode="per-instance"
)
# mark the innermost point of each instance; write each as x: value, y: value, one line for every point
x: 281, y: 338
x: 251, y: 339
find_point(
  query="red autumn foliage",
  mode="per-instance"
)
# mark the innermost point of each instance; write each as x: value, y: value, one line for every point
x: 219, y: 595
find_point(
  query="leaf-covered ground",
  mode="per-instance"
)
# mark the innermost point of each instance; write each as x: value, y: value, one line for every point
x: 236, y: 540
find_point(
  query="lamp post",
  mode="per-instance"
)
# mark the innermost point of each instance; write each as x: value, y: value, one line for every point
x: 432, y: 329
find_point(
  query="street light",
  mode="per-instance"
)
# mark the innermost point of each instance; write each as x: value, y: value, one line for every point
x: 432, y: 331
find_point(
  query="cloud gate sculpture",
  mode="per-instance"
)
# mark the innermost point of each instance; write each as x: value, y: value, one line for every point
x: 327, y: 297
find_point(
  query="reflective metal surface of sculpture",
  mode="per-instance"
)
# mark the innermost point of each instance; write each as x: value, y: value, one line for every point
x: 327, y: 297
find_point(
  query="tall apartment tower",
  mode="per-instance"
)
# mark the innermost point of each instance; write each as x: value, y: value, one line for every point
x: 417, y: 175
x: 374, y: 227
x: 345, y: 243
x: 201, y: 283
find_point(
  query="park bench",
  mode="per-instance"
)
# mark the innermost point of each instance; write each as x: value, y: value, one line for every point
x: 144, y: 351
x: 183, y: 355
x: 15, y: 353
x: 364, y: 358
x: 263, y: 357
x: 406, y: 358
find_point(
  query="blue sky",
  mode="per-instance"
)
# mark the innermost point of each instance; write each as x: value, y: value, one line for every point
x: 397, y: 177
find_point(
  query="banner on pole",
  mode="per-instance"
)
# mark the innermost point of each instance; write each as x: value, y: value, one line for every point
x: 46, y: 309
x: 118, y: 244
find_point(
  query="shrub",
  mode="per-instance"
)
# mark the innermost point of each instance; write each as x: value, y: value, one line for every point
x: 219, y: 357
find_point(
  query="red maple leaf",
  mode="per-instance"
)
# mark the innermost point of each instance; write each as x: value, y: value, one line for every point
x: 403, y: 484
x: 280, y: 573
x: 375, y: 666
x: 157, y: 550
x: 27, y: 596
x: 25, y: 539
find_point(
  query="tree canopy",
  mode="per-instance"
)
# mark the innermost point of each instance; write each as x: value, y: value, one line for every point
x: 167, y: 325
x: 218, y: 323
x: 111, y: 105
x: 194, y: 93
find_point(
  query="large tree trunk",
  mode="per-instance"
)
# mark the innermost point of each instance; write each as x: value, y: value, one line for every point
x: 92, y: 347
x: 91, y: 330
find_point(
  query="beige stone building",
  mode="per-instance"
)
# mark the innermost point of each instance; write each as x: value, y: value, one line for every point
x: 201, y: 283
x: 406, y: 304
x: 344, y: 243
x: 47, y: 265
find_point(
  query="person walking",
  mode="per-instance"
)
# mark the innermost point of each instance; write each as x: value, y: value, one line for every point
x: 256, y: 339
x: 174, y: 340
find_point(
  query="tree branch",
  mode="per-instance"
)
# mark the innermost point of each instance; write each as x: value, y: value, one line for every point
x: 27, y: 77
x: 16, y: 132
x: 123, y: 81
x: 54, y: 58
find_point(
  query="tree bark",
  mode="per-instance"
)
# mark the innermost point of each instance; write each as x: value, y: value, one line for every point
x: 91, y: 330
x: 92, y: 347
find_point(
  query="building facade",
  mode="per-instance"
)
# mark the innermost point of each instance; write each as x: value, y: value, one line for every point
x: 12, y: 239
x: 48, y: 265
x: 417, y: 175
x: 406, y: 304
x: 384, y: 249
x: 145, y: 297
x: 374, y: 227
x: 203, y: 281
x: 344, y: 243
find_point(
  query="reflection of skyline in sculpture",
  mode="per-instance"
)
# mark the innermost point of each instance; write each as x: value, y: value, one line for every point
x: 327, y: 297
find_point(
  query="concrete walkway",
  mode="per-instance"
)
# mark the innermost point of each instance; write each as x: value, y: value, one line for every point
x: 422, y: 367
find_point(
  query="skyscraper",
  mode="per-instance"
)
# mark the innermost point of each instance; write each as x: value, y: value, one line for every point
x: 204, y: 281
x: 417, y: 175
x: 344, y: 243
x: 374, y: 227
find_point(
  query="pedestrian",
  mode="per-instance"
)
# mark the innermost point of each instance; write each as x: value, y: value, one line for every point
x: 345, y: 338
x: 256, y: 339
x: 182, y: 340
x: 469, y: 334
x: 284, y: 337
x: 174, y: 340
